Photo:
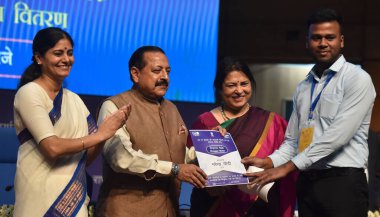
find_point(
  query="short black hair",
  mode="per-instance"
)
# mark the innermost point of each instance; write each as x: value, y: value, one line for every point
x: 321, y: 15
x: 225, y: 66
x: 137, y: 58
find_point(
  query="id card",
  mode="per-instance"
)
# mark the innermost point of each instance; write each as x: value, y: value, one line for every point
x: 306, y: 137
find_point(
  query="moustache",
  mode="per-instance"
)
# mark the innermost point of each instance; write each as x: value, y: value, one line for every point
x: 162, y: 83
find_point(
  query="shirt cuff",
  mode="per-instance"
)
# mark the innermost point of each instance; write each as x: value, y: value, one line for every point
x: 276, y: 159
x: 190, y: 155
x: 301, y: 161
x: 164, y: 167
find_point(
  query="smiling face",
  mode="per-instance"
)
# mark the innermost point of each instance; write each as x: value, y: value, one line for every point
x: 56, y: 63
x: 236, y: 90
x: 153, y: 79
x: 325, y: 41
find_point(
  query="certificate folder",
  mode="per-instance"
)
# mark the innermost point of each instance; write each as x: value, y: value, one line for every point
x: 218, y: 157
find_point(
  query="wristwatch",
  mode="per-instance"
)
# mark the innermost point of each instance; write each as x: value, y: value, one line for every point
x: 175, y: 169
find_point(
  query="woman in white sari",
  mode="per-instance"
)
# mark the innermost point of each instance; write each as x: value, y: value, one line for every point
x: 57, y: 134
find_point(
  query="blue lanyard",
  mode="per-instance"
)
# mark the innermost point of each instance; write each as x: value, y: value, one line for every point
x: 314, y: 103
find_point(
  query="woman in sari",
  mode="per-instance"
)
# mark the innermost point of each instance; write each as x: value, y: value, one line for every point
x: 57, y: 134
x: 256, y: 132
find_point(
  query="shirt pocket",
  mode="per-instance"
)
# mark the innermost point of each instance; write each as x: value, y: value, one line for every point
x: 329, y: 105
x: 182, y: 134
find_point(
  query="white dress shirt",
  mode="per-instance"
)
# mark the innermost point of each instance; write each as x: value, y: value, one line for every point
x: 341, y: 120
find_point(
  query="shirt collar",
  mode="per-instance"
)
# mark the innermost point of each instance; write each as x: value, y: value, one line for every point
x: 334, y: 68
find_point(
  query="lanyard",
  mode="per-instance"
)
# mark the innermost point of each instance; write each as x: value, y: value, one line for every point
x: 314, y: 103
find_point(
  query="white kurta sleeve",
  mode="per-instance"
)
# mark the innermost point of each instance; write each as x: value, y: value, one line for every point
x: 120, y: 155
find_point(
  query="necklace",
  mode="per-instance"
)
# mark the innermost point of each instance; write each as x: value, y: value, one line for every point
x: 224, y: 116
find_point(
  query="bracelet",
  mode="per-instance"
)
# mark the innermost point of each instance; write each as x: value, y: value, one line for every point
x: 82, y: 144
x: 175, y: 169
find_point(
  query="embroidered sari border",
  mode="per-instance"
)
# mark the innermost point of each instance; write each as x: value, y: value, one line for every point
x: 24, y: 136
x: 92, y: 126
x: 55, y: 112
x: 72, y: 197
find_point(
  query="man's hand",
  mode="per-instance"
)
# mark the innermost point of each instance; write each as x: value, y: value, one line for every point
x: 270, y: 175
x: 192, y: 174
x: 265, y: 163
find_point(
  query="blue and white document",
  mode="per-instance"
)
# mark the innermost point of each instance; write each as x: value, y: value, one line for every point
x: 218, y: 157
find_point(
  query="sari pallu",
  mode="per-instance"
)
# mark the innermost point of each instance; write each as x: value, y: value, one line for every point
x: 257, y: 133
x: 52, y: 188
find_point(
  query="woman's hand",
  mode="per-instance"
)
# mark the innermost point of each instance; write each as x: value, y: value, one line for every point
x: 221, y: 130
x: 53, y: 147
x: 113, y: 122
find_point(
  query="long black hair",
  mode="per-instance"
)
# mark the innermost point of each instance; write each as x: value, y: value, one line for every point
x: 42, y: 42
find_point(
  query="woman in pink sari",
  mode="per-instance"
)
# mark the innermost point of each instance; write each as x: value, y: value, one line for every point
x: 256, y: 132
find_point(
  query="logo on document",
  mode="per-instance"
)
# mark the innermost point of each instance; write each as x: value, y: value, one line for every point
x: 195, y: 133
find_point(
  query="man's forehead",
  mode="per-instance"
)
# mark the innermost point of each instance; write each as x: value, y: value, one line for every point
x: 155, y: 57
x: 331, y: 26
x: 150, y: 55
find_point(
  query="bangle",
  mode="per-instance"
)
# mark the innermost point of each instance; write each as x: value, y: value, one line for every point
x: 82, y: 144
